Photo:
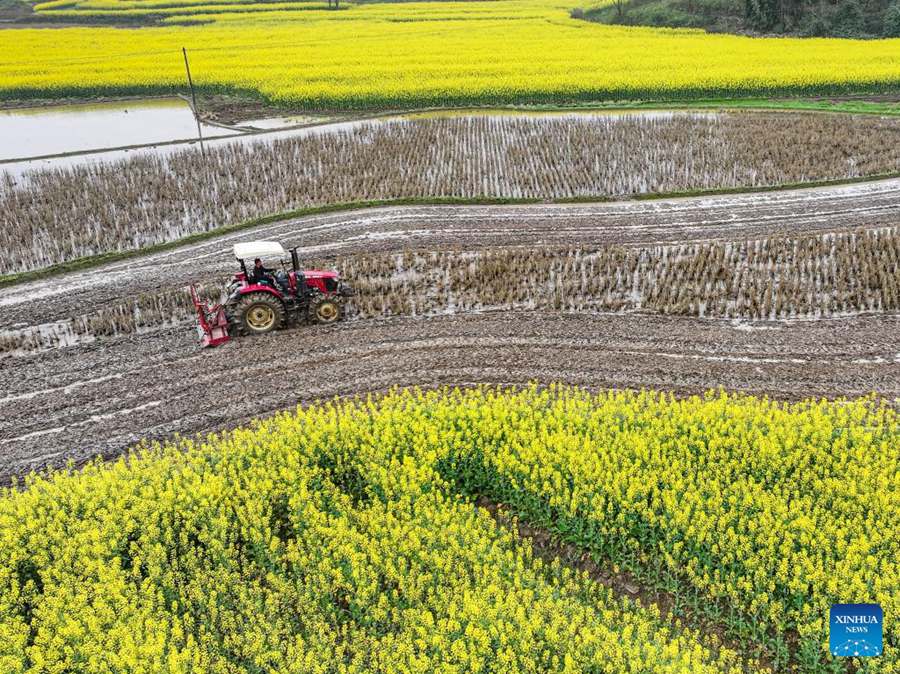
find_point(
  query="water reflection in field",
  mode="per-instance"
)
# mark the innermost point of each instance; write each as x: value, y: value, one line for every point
x: 54, y: 130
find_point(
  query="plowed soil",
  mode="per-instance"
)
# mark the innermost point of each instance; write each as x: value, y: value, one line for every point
x: 102, y: 396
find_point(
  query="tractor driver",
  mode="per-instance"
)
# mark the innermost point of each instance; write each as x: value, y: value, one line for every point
x: 262, y: 274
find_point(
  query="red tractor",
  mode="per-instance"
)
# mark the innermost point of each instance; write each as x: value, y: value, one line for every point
x: 261, y: 300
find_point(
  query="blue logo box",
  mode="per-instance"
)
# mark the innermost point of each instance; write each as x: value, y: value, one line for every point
x: 856, y: 630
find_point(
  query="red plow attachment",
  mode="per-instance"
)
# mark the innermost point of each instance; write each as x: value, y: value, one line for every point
x: 212, y: 324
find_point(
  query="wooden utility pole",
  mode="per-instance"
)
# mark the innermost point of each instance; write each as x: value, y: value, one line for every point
x: 187, y: 67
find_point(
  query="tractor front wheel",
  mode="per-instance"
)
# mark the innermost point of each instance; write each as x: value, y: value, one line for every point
x: 324, y: 310
x: 259, y: 313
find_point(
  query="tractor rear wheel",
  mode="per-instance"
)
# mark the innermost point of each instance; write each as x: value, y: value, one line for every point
x: 259, y: 313
x: 324, y: 310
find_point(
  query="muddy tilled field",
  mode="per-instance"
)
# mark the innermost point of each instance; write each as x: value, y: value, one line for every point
x: 792, y: 294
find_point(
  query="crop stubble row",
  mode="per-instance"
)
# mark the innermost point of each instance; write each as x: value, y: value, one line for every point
x: 784, y: 277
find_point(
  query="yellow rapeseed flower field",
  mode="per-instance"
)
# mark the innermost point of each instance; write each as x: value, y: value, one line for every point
x: 419, y: 53
x: 343, y: 538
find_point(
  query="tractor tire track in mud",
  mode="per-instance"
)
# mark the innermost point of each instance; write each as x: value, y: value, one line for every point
x: 103, y: 396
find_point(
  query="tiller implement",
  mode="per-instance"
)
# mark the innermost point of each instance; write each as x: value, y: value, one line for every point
x: 212, y: 323
x: 260, y: 300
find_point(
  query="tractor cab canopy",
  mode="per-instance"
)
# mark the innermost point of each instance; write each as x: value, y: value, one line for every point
x: 258, y: 249
x: 264, y: 250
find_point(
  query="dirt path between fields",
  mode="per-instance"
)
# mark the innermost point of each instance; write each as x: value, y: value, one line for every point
x: 103, y: 396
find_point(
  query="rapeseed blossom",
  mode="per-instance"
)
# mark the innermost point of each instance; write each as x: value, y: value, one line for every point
x: 413, y: 54
x: 343, y: 537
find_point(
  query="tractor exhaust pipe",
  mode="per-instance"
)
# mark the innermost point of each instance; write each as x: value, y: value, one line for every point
x: 295, y: 259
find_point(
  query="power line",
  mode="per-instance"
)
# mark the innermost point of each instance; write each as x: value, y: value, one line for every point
x: 196, y: 112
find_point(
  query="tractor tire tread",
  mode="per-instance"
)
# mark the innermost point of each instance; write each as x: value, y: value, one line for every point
x: 319, y: 301
x: 247, y: 301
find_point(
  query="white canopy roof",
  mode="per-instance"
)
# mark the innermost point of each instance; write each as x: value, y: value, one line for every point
x: 254, y: 249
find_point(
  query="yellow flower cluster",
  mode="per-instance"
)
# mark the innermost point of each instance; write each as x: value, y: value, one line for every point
x: 268, y: 551
x: 335, y: 539
x: 111, y: 9
x: 775, y: 510
x: 420, y: 53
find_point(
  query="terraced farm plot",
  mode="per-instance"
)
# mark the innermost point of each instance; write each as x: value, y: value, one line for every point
x: 59, y: 216
x: 788, y: 293
x: 335, y: 538
x: 376, y: 55
x: 810, y: 277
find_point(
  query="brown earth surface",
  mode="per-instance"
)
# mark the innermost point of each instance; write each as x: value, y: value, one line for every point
x: 100, y: 396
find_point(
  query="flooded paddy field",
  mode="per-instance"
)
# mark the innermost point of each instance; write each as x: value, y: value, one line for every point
x: 32, y: 133
x: 119, y: 206
x: 68, y: 136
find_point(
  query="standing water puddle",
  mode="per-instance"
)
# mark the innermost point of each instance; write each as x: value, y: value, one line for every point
x: 55, y: 130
